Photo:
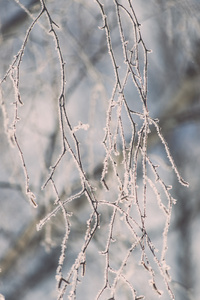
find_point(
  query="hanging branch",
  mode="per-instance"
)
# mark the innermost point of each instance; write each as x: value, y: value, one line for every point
x: 127, y: 168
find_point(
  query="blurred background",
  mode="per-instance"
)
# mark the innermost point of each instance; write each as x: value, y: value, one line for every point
x: 171, y: 29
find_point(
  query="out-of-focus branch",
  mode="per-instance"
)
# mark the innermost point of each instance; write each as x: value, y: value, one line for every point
x: 12, y: 24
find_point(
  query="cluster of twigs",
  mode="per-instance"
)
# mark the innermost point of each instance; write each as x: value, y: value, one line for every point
x: 125, y: 153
